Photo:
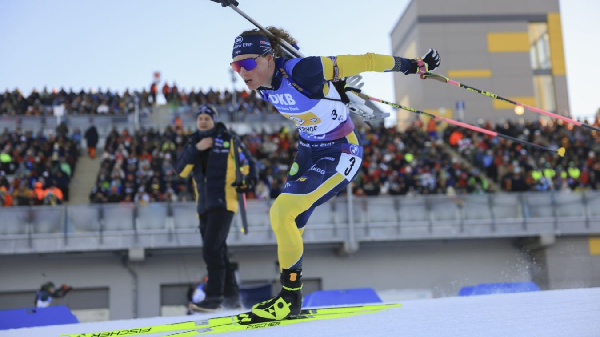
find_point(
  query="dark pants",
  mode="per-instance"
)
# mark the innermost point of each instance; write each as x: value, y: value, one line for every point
x: 214, y: 228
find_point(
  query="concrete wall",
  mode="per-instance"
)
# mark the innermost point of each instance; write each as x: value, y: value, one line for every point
x: 568, y: 263
x: 442, y: 267
x: 459, y: 29
x: 133, y: 288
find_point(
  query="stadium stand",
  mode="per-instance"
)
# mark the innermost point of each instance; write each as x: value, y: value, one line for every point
x: 517, y: 168
x: 36, y: 169
x: 135, y: 164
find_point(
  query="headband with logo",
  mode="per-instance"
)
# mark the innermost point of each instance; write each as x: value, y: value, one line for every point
x: 251, y: 44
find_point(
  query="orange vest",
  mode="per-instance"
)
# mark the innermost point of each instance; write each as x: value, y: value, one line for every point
x: 55, y: 191
x: 39, y: 193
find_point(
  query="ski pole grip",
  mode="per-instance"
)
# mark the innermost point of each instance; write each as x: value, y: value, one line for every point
x: 422, y: 67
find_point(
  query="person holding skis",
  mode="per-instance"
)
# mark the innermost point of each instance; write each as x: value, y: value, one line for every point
x: 209, y: 158
x: 311, y: 92
x: 47, y: 291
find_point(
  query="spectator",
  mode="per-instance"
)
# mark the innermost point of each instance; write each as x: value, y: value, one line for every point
x: 63, y: 166
x: 61, y: 181
x: 174, y: 94
x: 91, y: 137
x: 141, y: 196
x: 208, y: 158
x: 62, y: 129
x: 23, y: 196
x: 44, y: 296
x: 98, y: 195
x: 6, y: 199
x: 262, y: 191
x: 166, y: 92
x: 39, y: 192
x: 76, y: 136
x: 432, y: 129
x: 196, y: 293
x: 455, y: 137
x: 52, y: 196
x: 114, y: 195
x: 371, y: 188
x: 178, y: 123
x: 3, y: 180
x: 7, y: 163
x: 153, y: 92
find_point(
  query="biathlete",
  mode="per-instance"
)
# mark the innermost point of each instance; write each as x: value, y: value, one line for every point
x: 329, y: 156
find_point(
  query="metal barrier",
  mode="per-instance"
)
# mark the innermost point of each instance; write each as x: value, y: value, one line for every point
x: 38, y: 229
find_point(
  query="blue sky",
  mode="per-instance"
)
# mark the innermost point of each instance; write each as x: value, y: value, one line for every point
x: 119, y: 44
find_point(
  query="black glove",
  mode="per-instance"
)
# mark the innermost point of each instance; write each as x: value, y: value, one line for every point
x: 226, y: 3
x: 246, y: 186
x: 429, y: 62
x: 250, y: 184
x: 352, y: 83
x: 432, y: 59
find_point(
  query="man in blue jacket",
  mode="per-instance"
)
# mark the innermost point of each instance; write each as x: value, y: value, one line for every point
x: 209, y: 157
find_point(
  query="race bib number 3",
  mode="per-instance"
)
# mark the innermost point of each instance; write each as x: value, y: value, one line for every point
x: 348, y: 165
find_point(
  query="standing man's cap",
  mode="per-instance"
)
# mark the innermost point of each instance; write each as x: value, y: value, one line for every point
x: 209, y: 110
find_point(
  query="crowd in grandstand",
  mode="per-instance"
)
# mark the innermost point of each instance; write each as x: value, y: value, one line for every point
x: 81, y: 102
x: 137, y: 166
x: 114, y: 103
x: 518, y: 168
x: 40, y: 167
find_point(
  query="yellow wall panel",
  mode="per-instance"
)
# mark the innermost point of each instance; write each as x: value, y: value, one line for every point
x: 557, y: 51
x: 470, y: 73
x: 441, y: 112
x: 508, y: 42
x: 594, y: 243
x: 498, y: 104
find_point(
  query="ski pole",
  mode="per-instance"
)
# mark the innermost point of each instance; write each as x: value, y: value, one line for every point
x: 444, y: 79
x: 286, y: 46
x: 560, y: 151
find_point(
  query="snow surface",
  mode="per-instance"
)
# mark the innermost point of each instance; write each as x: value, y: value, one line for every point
x: 565, y: 313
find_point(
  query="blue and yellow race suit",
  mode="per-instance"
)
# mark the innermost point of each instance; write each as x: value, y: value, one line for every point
x: 329, y: 153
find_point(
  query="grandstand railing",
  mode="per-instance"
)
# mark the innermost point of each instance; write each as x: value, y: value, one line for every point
x: 344, y: 222
x: 240, y: 122
x: 49, y: 122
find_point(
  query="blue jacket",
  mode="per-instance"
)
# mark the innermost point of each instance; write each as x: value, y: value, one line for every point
x: 301, y: 94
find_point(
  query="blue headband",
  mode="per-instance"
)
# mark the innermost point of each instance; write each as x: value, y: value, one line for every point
x: 251, y: 44
x: 209, y: 110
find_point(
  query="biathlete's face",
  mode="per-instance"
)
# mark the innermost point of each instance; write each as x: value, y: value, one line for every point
x: 204, y: 122
x: 256, y: 70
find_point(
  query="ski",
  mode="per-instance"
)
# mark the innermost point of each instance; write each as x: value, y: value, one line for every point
x: 238, y: 322
x: 238, y: 326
